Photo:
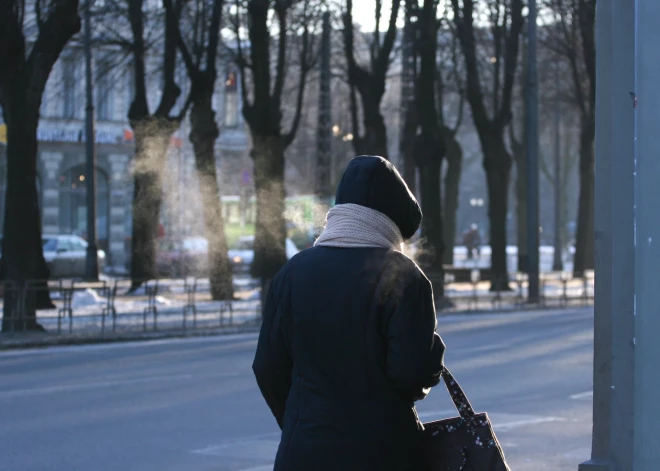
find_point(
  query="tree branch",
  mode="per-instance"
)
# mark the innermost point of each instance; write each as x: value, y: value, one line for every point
x: 183, y: 48
x: 464, y: 21
x: 587, y: 17
x: 241, y: 62
x: 383, y: 59
x: 139, y: 109
x: 281, y: 10
x: 511, y: 60
x: 304, y: 70
x: 259, y: 35
x: 54, y: 32
x: 214, y: 37
x: 171, y: 90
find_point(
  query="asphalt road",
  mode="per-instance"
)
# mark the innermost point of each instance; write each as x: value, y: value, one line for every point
x: 194, y: 405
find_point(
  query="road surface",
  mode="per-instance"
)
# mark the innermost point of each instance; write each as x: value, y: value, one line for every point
x: 193, y: 404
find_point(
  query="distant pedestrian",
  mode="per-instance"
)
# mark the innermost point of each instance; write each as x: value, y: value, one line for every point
x: 348, y: 341
x: 472, y: 240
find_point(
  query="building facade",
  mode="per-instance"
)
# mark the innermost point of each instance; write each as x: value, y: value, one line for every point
x: 61, y: 150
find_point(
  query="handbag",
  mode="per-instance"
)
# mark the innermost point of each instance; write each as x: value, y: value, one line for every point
x: 464, y: 443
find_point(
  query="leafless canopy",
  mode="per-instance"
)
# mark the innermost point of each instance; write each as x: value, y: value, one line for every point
x: 574, y: 40
x: 293, y: 23
x: 506, y: 22
x: 19, y: 26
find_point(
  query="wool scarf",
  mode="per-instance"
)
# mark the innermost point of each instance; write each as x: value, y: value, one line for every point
x: 352, y: 225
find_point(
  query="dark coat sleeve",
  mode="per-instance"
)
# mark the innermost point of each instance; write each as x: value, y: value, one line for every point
x: 272, y: 363
x: 414, y: 350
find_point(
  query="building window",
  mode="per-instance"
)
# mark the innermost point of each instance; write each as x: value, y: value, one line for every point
x: 231, y: 100
x: 69, y: 88
x: 104, y: 88
x: 73, y: 204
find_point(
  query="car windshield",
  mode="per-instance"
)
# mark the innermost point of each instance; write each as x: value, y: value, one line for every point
x: 195, y: 244
x: 49, y: 245
x: 243, y: 244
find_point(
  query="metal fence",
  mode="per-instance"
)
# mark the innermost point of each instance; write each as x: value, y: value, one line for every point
x: 108, y: 307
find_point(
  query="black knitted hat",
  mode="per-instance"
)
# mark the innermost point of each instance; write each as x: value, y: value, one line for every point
x: 374, y: 182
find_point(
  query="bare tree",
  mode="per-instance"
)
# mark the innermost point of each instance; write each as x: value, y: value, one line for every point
x: 263, y: 75
x: 491, y: 119
x: 408, y: 112
x: 370, y: 82
x: 430, y: 147
x: 152, y: 131
x: 517, y: 143
x: 576, y: 20
x: 27, y: 62
x: 450, y: 74
x: 200, y: 54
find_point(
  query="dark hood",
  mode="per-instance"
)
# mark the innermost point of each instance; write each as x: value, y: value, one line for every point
x: 375, y: 183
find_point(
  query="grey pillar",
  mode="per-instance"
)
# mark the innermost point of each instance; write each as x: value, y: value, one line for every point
x: 645, y: 344
x: 50, y: 191
x: 532, y: 158
x: 626, y: 380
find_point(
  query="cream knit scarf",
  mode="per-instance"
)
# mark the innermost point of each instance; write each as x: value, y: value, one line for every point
x: 352, y: 225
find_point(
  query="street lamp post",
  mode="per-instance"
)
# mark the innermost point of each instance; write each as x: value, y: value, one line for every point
x: 557, y: 264
x: 92, y: 269
x: 532, y: 158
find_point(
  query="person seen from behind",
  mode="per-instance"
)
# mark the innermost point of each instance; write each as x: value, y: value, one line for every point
x: 348, y: 342
x: 472, y: 240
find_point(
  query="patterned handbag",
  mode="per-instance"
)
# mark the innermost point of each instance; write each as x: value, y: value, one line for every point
x: 465, y: 443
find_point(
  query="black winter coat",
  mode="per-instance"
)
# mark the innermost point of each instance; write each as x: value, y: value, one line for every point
x: 348, y: 344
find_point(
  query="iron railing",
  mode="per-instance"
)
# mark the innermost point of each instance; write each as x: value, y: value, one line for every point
x: 104, y: 307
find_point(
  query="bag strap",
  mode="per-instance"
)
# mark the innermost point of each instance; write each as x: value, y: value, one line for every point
x: 457, y: 395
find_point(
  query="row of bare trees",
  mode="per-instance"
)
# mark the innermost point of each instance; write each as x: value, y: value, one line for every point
x: 486, y: 73
x: 273, y: 44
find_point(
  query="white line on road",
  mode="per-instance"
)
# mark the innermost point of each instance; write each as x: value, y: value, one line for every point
x: 583, y: 395
x: 437, y: 414
x: 259, y: 468
x: 501, y: 422
x: 506, y: 426
x: 86, y: 386
x: 250, y: 438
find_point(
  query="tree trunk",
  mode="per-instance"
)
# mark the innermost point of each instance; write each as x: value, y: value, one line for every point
x: 497, y: 164
x: 374, y: 140
x: 22, y: 254
x: 521, y: 210
x: 431, y: 255
x: 203, y: 136
x: 584, y: 240
x: 406, y: 147
x: 454, y: 155
x: 410, y: 171
x: 270, y: 230
x: 152, y: 138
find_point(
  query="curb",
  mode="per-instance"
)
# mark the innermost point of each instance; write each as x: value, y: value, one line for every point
x: 35, y: 341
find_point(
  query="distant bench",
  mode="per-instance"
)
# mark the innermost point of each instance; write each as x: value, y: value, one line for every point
x: 464, y: 274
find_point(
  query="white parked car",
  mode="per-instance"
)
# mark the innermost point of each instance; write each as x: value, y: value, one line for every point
x: 66, y: 256
x: 241, y: 254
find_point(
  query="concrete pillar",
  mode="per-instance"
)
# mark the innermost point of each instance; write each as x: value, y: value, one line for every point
x: 626, y: 380
x: 51, y: 163
x: 119, y: 205
x: 645, y: 344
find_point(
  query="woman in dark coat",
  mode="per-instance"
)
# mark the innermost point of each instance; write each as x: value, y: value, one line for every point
x: 348, y: 341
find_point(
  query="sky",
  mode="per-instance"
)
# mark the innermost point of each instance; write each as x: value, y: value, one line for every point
x: 364, y: 12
